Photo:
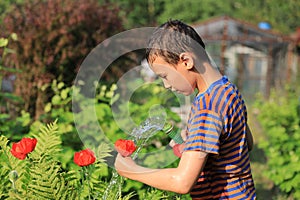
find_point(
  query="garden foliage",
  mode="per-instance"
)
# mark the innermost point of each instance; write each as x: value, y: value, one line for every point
x: 49, y: 171
x: 41, y: 175
x: 280, y: 119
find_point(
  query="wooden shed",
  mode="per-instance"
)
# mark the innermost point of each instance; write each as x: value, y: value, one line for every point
x: 254, y: 57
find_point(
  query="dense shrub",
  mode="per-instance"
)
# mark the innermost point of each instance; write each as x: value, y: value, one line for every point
x: 280, y: 119
x: 53, y: 39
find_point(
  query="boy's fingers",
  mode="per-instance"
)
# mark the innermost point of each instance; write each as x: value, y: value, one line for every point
x: 176, y: 150
x: 184, y: 134
x: 172, y: 143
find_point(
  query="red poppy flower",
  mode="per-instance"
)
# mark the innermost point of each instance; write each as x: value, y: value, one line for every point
x: 23, y: 147
x: 84, y: 158
x: 125, y: 147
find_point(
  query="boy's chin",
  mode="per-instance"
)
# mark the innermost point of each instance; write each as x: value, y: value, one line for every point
x: 184, y: 93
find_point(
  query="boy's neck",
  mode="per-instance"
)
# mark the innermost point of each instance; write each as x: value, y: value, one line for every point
x: 207, y: 77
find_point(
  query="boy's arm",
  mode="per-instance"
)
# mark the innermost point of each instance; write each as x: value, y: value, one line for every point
x: 249, y: 138
x: 180, y: 180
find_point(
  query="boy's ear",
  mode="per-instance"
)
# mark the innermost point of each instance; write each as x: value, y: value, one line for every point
x: 187, y: 60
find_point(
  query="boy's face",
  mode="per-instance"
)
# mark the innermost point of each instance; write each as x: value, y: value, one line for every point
x: 177, y: 78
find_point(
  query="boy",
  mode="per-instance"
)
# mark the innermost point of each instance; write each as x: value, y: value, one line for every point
x: 215, y: 159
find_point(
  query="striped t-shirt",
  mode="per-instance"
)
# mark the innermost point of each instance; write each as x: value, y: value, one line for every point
x: 217, y: 125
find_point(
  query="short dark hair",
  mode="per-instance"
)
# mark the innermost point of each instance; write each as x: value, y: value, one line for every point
x: 172, y: 38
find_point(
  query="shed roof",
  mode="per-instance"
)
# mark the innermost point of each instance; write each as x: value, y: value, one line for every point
x: 232, y: 30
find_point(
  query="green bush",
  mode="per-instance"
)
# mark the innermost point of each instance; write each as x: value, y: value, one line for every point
x: 280, y: 118
x: 54, y: 37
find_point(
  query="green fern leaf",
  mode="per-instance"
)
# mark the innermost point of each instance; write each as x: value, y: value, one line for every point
x: 4, y: 184
x: 49, y: 140
x: 153, y: 193
x: 10, y: 163
x: 48, y: 178
x: 71, y: 178
x: 128, y: 196
x: 6, y: 157
x: 103, y: 151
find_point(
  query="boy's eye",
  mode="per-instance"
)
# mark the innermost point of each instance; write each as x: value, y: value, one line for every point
x: 163, y: 76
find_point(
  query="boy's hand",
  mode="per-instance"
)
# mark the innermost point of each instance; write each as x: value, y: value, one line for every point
x: 124, y: 164
x: 183, y: 136
x: 178, y: 148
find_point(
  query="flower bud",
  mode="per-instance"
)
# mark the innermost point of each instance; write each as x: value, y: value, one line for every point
x: 13, y: 175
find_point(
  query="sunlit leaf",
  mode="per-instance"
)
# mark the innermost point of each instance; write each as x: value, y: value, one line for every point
x: 3, y: 42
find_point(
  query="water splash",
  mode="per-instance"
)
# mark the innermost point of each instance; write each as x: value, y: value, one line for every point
x: 141, y: 135
x: 149, y: 127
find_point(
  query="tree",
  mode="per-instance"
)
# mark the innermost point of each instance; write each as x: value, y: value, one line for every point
x: 5, y: 7
x: 54, y: 36
x: 282, y: 15
x: 191, y: 11
x: 139, y: 13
